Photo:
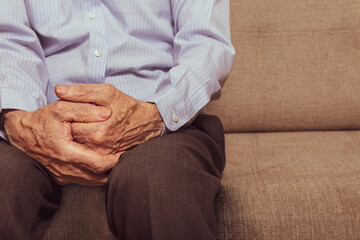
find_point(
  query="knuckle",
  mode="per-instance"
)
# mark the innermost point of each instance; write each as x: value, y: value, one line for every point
x: 81, y: 91
x: 108, y: 85
x: 59, y: 105
x: 98, y: 137
x: 109, y: 88
x: 99, y: 169
x: 78, y: 137
x: 59, y: 108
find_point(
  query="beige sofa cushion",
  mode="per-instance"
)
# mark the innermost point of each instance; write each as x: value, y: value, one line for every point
x: 297, y: 66
x: 299, y: 185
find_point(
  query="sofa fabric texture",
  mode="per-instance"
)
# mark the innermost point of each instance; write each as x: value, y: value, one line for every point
x: 293, y: 185
x: 291, y: 110
x: 297, y: 66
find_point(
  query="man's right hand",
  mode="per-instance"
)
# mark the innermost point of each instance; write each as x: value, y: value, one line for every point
x: 45, y: 135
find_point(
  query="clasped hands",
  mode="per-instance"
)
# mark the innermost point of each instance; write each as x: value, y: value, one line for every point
x: 79, y: 138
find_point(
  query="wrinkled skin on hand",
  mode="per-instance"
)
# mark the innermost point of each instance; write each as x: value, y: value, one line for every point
x: 131, y: 123
x: 46, y: 136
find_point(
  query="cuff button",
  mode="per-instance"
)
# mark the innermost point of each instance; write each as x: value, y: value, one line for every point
x: 176, y: 117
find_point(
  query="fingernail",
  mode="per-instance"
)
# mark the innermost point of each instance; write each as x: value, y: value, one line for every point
x: 104, y: 113
x: 61, y: 90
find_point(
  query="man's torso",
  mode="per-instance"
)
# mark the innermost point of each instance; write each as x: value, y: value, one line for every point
x: 126, y: 43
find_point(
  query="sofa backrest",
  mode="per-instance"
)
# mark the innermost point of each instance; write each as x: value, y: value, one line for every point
x: 297, y: 66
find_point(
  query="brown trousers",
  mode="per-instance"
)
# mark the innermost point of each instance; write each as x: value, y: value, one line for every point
x: 162, y: 189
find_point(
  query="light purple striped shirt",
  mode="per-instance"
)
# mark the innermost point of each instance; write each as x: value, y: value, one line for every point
x: 174, y: 53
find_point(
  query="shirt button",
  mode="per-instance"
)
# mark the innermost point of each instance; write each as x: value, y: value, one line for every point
x: 92, y: 15
x: 97, y: 53
x: 176, y: 117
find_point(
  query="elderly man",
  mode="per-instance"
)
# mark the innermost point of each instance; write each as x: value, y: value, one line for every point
x: 108, y: 93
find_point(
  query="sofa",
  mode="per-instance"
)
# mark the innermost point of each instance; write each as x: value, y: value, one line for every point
x: 291, y: 113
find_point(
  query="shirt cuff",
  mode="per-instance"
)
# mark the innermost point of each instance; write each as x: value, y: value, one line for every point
x: 11, y: 99
x: 180, y: 104
x: 165, y: 130
x: 3, y: 134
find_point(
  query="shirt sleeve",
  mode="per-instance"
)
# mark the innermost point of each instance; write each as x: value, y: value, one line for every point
x: 23, y: 74
x: 203, y: 56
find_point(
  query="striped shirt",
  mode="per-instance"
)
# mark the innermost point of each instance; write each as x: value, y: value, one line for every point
x: 174, y: 53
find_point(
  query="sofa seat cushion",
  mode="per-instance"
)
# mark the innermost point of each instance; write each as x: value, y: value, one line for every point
x: 291, y: 185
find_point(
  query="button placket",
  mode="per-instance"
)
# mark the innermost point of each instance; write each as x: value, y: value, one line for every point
x: 92, y: 15
x: 98, y: 45
x: 97, y: 53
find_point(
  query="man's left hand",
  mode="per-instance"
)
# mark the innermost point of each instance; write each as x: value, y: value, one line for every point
x: 132, y: 122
